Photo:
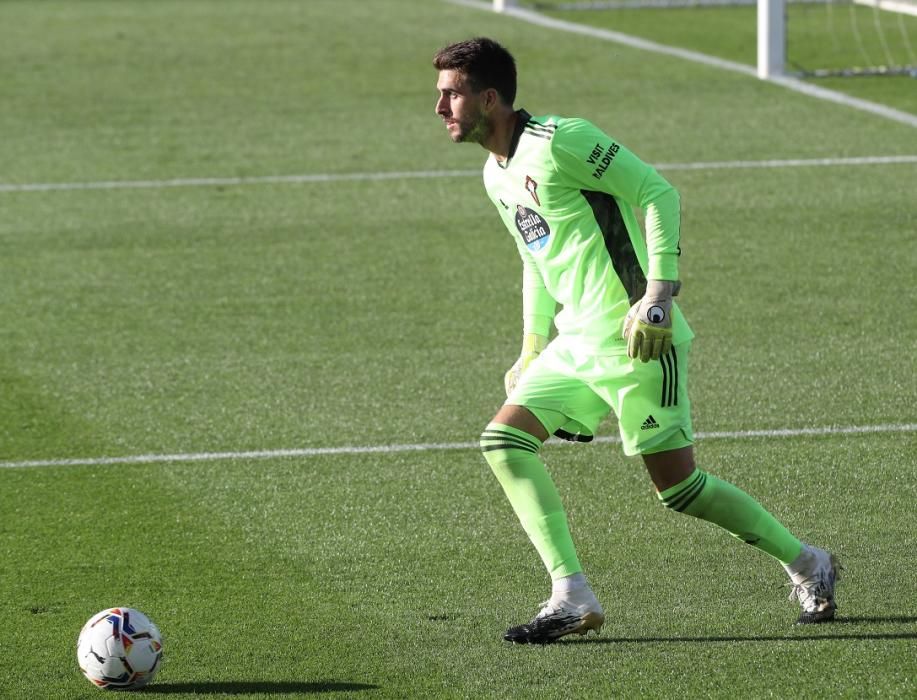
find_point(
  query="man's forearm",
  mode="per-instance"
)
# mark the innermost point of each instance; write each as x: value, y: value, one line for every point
x: 663, y: 224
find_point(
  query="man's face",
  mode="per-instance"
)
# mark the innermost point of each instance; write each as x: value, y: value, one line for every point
x: 461, y: 108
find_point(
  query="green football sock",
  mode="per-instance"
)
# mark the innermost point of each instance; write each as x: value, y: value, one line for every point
x: 704, y: 496
x: 513, y: 456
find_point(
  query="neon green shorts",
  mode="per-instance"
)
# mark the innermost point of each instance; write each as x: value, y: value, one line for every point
x: 571, y: 391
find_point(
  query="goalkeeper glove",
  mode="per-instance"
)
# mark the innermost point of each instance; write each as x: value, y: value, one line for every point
x: 648, y: 325
x: 532, y: 345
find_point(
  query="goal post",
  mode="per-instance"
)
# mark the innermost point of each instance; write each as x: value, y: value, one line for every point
x: 771, y: 38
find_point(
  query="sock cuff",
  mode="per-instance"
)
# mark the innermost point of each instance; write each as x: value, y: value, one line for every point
x: 497, y: 436
x: 682, y: 494
x: 569, y: 582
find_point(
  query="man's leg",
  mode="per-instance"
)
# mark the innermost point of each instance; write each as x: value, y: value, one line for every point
x: 686, y: 489
x: 654, y: 418
x: 683, y: 487
x: 510, y: 444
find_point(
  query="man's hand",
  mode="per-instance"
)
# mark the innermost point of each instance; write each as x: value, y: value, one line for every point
x: 532, y: 345
x: 648, y: 325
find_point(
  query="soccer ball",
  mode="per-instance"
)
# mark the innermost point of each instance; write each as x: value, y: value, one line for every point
x: 119, y: 648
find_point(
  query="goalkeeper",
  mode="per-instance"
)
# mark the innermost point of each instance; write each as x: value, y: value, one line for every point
x: 566, y: 192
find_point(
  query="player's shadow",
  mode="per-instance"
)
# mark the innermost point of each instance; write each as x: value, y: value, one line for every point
x: 818, y: 636
x: 246, y: 687
x: 867, y: 619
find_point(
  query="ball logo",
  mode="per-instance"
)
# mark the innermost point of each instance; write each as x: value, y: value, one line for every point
x: 532, y: 227
x: 655, y: 314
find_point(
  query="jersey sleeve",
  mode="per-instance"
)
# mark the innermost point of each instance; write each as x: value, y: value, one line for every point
x: 596, y: 162
x: 538, y: 306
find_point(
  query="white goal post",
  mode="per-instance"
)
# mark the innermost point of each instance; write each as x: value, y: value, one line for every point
x: 771, y: 38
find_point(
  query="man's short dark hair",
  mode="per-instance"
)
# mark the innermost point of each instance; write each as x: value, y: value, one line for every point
x: 484, y: 63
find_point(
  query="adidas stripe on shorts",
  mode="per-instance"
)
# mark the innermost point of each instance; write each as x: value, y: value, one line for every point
x: 650, y: 399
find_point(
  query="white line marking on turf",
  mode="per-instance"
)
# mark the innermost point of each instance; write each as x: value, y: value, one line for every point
x: 424, y: 174
x: 428, y: 447
x: 789, y: 163
x: 905, y: 8
x: 696, y: 57
x: 232, y: 181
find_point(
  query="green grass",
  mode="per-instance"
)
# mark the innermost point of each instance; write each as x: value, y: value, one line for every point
x: 263, y: 317
x: 300, y: 572
x: 819, y: 37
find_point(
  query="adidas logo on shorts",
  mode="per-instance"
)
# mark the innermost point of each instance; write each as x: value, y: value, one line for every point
x: 649, y: 424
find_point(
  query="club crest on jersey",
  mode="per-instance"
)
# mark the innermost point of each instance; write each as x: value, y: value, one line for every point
x: 532, y: 227
x: 531, y: 186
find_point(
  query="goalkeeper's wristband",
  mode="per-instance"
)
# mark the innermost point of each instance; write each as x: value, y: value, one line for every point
x: 648, y: 325
x: 532, y: 346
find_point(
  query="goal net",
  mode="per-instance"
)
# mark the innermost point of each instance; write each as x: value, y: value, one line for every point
x: 805, y: 38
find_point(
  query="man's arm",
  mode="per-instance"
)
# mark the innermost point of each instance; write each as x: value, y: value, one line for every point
x: 538, y: 310
x: 598, y: 163
x: 662, y: 206
x: 538, y: 306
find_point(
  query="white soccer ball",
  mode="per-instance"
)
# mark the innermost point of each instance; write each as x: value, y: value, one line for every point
x: 119, y: 648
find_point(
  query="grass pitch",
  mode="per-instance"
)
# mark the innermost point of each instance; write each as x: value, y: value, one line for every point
x: 243, y: 318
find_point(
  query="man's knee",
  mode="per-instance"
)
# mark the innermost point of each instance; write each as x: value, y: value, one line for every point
x: 671, y: 467
x: 507, y: 449
x: 522, y: 419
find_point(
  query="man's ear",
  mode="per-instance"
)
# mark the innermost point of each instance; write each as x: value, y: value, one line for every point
x: 491, y: 99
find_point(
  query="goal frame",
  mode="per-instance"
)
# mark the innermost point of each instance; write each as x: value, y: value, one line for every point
x: 771, y: 34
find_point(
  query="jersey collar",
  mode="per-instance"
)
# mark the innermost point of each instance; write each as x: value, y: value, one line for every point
x: 522, y: 118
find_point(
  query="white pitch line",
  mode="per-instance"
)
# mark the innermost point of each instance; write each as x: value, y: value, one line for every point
x: 233, y: 181
x: 789, y: 163
x: 428, y: 447
x: 696, y: 57
x: 904, y: 7
x: 425, y: 174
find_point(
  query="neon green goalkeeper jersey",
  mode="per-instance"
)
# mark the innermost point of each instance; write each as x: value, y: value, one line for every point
x: 567, y: 194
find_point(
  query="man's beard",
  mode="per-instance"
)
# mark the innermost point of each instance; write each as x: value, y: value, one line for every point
x: 475, y: 132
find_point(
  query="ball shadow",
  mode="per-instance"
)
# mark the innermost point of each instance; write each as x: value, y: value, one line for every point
x: 244, y: 687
